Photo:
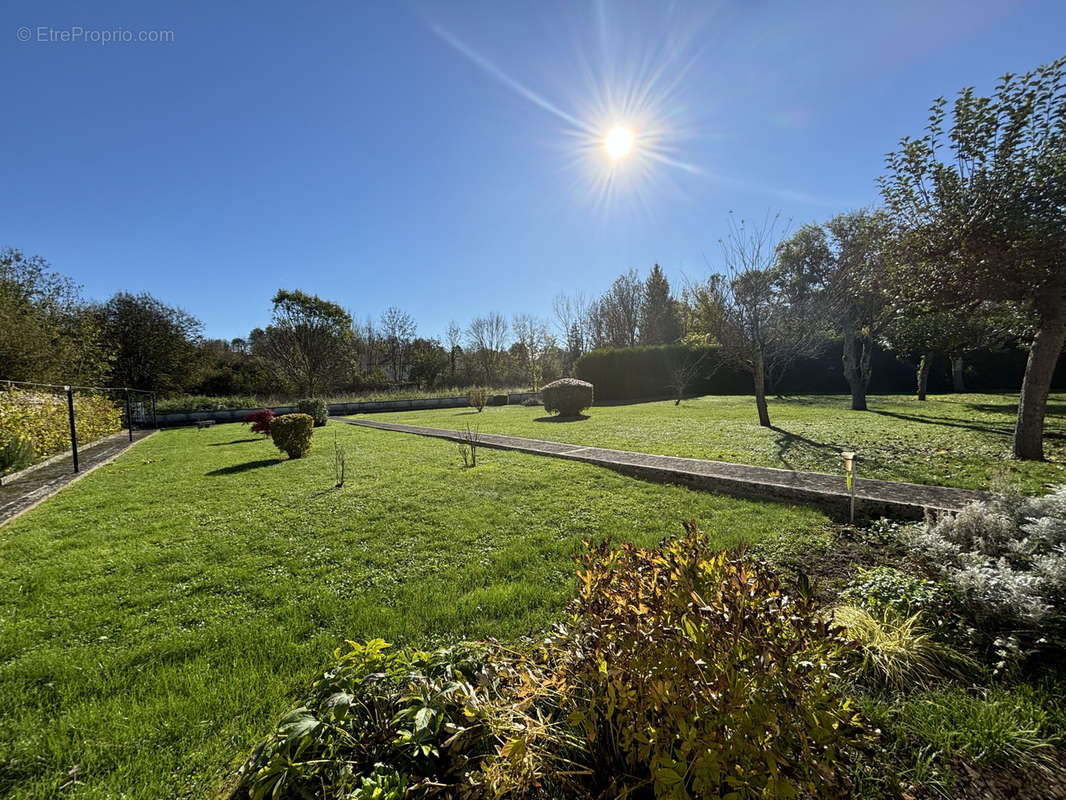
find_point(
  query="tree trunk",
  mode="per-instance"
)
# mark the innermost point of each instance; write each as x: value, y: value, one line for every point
x: 923, y: 375
x: 759, y: 374
x: 1039, y: 369
x: 856, y: 369
x: 957, y: 383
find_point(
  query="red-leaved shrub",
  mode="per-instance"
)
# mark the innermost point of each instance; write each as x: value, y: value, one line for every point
x: 260, y: 421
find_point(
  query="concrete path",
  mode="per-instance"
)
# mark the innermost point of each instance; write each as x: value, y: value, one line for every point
x: 24, y: 490
x: 872, y: 498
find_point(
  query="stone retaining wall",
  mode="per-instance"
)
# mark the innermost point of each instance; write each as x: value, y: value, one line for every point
x: 175, y: 419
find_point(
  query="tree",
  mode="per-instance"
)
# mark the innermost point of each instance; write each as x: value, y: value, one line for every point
x: 751, y: 311
x: 308, y: 340
x: 989, y: 222
x: 919, y: 333
x: 47, y: 332
x: 844, y: 265
x: 455, y: 338
x: 533, y: 335
x: 660, y: 320
x: 685, y: 365
x: 398, y: 330
x: 486, y: 340
x: 155, y: 345
x: 617, y: 314
x: 428, y: 361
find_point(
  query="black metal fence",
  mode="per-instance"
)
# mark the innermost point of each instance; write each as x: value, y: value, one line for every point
x: 89, y: 411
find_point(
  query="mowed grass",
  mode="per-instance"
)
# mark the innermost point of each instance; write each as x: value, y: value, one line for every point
x: 157, y: 617
x: 953, y: 440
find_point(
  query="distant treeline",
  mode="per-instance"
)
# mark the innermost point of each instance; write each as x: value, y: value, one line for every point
x: 636, y: 373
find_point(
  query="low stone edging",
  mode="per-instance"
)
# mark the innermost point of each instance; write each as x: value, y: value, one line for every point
x: 873, y: 498
x: 177, y: 418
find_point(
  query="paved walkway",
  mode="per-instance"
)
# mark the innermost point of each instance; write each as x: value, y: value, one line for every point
x: 24, y: 490
x: 872, y: 498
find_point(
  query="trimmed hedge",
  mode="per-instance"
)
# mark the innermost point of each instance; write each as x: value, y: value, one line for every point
x: 42, y: 418
x: 567, y: 396
x: 292, y: 434
x: 316, y: 408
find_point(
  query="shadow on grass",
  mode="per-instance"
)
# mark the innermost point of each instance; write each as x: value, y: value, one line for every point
x: 1005, y: 430
x: 559, y: 418
x: 467, y: 413
x: 233, y: 441
x: 247, y: 465
x: 1058, y: 409
x: 786, y: 442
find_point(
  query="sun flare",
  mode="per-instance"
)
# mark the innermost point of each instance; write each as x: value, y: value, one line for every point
x: 619, y: 142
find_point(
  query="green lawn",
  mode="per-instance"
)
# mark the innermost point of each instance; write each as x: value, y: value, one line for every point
x: 954, y: 440
x: 157, y: 617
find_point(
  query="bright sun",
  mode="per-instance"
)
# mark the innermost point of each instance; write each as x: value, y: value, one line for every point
x: 619, y: 142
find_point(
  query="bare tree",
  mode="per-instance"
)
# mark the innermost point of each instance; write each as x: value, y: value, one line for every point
x: 486, y: 340
x: 535, y: 339
x: 619, y: 311
x: 760, y: 325
x: 398, y: 330
x: 684, y: 367
x: 454, y: 337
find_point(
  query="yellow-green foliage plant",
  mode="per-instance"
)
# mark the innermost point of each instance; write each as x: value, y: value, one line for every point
x: 292, y: 433
x: 43, y: 419
x: 690, y: 672
x: 897, y: 651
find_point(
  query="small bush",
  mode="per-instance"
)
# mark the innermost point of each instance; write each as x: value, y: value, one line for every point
x: 896, y: 651
x: 1005, y: 564
x: 315, y: 408
x: 292, y: 434
x: 16, y: 452
x: 567, y: 397
x: 680, y: 671
x: 477, y: 397
x: 381, y: 719
x: 260, y: 421
x: 884, y: 590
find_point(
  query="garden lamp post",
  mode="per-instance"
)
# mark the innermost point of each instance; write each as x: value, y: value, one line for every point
x: 849, y: 471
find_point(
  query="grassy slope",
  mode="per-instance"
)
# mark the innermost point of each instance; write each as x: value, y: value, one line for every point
x: 156, y: 617
x: 955, y: 440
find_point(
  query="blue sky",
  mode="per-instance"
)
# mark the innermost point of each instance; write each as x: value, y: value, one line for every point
x: 446, y: 157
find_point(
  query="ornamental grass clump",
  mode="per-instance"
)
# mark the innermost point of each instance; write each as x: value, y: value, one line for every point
x: 567, y: 397
x: 896, y: 651
x: 292, y: 434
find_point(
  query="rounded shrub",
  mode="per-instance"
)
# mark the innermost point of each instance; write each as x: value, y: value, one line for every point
x: 292, y: 433
x: 567, y: 397
x: 316, y: 408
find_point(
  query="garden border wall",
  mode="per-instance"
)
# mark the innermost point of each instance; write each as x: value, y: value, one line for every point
x: 178, y: 418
